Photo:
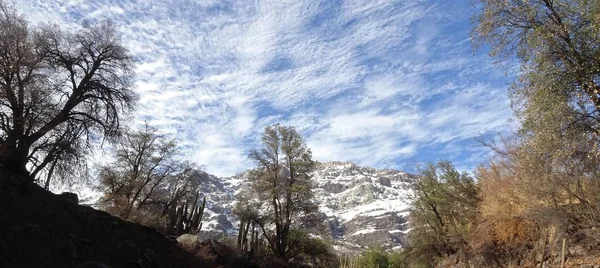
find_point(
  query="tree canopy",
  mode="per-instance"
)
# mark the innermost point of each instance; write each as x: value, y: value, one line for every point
x: 557, y: 44
x: 58, y: 91
x: 282, y: 180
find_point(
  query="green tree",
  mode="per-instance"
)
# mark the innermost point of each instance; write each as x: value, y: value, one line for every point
x: 58, y: 90
x: 557, y: 96
x: 397, y: 259
x: 374, y: 257
x: 281, y: 179
x: 557, y: 44
x: 311, y: 250
x: 444, y: 206
x: 547, y: 176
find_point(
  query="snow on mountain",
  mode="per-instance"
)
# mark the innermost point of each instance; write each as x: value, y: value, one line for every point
x: 362, y: 206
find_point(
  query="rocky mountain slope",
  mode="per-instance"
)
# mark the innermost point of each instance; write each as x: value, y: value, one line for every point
x: 362, y: 206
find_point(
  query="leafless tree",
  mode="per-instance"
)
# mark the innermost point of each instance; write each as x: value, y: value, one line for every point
x: 58, y: 91
x: 146, y: 179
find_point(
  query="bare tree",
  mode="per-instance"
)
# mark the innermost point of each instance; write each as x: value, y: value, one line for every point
x: 145, y: 172
x: 58, y: 90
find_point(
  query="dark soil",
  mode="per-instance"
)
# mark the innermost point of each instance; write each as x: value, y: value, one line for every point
x: 40, y: 229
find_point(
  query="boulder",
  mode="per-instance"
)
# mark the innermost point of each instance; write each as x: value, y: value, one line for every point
x: 334, y: 188
x: 385, y: 181
x: 188, y: 241
x: 69, y: 197
x: 92, y: 264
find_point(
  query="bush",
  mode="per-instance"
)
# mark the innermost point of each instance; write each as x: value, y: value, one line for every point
x: 501, y: 240
x: 397, y: 259
x: 375, y: 257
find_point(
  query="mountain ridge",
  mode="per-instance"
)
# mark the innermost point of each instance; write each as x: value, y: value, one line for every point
x: 360, y: 206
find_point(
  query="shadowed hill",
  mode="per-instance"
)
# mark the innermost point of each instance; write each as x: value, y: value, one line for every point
x: 40, y: 229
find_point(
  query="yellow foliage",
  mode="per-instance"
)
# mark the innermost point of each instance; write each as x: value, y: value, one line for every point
x: 501, y: 192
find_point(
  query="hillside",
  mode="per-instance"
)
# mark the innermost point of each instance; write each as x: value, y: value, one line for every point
x: 40, y: 229
x: 361, y: 206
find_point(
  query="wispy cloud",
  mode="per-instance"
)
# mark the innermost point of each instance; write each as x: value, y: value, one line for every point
x: 381, y: 83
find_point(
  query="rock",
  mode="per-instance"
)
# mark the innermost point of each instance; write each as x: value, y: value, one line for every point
x: 224, y: 223
x: 188, y: 242
x: 385, y: 181
x: 149, y: 254
x: 365, y: 180
x: 378, y: 226
x: 576, y: 250
x: 586, y: 266
x: 336, y: 228
x: 128, y: 252
x: 69, y: 197
x: 217, y: 209
x: 334, y: 188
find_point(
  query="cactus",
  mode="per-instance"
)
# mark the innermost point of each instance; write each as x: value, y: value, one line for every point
x: 195, y: 223
x: 184, y: 219
x: 179, y: 222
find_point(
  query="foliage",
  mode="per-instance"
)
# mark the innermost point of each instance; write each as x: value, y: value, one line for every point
x: 374, y: 257
x: 547, y: 176
x: 311, y: 250
x: 281, y: 180
x: 59, y: 90
x: 558, y: 46
x: 443, y: 209
x: 397, y: 259
x: 502, y: 240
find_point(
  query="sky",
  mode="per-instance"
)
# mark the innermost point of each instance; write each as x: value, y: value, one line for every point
x: 386, y: 84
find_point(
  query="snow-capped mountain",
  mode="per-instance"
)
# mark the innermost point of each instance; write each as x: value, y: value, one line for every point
x: 362, y: 206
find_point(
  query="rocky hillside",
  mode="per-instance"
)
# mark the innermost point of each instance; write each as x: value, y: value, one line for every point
x: 40, y: 229
x: 362, y: 206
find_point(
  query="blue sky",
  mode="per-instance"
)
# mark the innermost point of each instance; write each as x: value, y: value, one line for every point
x: 387, y: 84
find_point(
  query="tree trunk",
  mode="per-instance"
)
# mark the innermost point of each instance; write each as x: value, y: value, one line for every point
x: 14, y: 159
x: 240, y: 232
x: 245, y: 237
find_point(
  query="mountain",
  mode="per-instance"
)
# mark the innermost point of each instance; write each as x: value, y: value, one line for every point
x: 361, y: 206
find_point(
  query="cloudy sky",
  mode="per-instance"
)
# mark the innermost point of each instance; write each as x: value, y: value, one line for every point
x: 387, y: 84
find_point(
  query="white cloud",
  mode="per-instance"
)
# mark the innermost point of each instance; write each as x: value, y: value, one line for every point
x: 374, y: 82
